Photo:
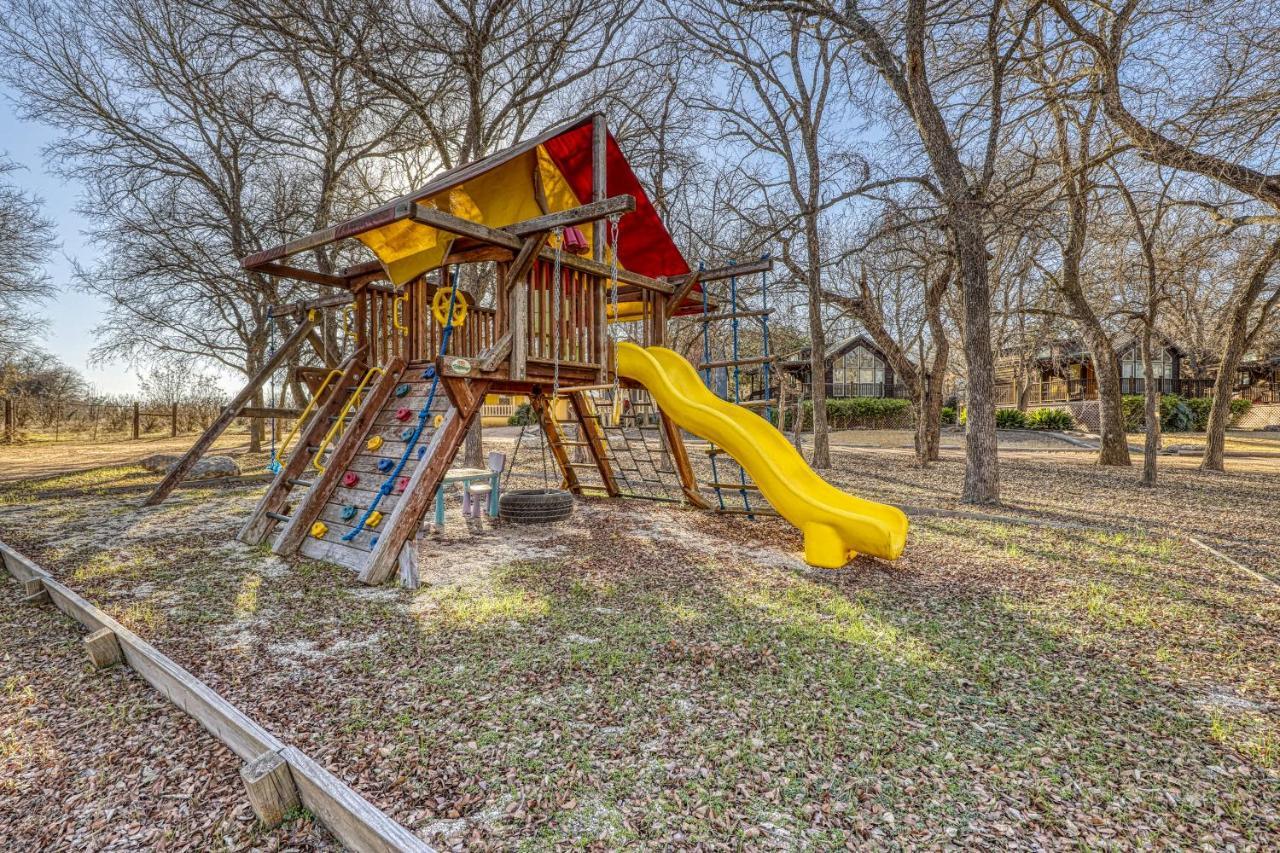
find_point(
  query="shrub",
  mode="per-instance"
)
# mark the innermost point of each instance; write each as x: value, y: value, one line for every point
x: 857, y: 413
x: 1055, y: 419
x: 1011, y: 419
x: 948, y: 416
x: 1177, y: 414
x: 523, y: 416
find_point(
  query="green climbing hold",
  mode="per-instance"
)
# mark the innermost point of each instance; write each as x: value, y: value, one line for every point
x: 348, y: 513
x: 403, y: 389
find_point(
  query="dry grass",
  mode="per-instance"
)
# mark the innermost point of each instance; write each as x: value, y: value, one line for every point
x: 646, y: 675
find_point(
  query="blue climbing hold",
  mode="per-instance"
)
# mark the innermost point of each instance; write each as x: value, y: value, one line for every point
x: 403, y: 389
x: 422, y: 451
x: 406, y: 433
x: 373, y: 541
x: 430, y: 372
x: 348, y: 512
x: 385, y: 465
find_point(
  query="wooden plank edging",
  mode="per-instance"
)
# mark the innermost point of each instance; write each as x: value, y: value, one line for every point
x: 353, y: 820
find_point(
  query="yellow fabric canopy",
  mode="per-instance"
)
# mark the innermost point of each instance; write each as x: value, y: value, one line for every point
x: 506, y: 194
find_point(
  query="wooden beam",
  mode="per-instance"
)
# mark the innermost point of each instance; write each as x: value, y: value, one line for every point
x: 683, y: 290
x: 680, y: 456
x: 721, y: 273
x: 352, y: 819
x: 590, y: 427
x: 479, y: 254
x: 726, y: 315
x: 269, y: 786
x: 619, y: 204
x: 520, y: 267
x: 260, y: 523
x: 35, y: 593
x: 229, y: 414
x: 599, y: 178
x: 492, y: 358
x: 541, y: 406
x: 348, y: 446
x: 268, y: 412
x: 103, y: 649
x: 282, y: 271
x: 420, y: 493
x: 442, y: 221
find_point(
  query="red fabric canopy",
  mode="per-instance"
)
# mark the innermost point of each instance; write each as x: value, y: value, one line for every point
x: 644, y: 246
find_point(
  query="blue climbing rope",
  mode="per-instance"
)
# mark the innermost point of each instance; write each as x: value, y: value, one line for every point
x: 764, y: 323
x: 737, y: 382
x: 412, y: 442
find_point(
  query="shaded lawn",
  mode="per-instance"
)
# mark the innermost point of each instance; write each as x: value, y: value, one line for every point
x: 675, y: 678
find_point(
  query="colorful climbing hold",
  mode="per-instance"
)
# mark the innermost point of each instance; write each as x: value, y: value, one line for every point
x: 401, y: 485
x: 319, y: 529
x: 439, y: 420
x: 350, y: 478
x: 430, y: 372
x: 385, y: 465
x: 373, y: 443
x: 422, y: 450
x: 373, y: 541
x: 373, y: 519
x: 406, y: 433
x: 404, y: 413
x: 403, y: 388
x: 348, y: 512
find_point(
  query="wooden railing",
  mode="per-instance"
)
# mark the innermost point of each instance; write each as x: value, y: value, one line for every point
x: 581, y: 331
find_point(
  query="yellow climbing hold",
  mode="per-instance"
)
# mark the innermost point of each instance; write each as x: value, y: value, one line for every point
x: 373, y: 519
x: 319, y: 529
x: 373, y: 443
x: 439, y: 420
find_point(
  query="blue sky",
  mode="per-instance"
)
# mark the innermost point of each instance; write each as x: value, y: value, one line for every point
x: 72, y: 315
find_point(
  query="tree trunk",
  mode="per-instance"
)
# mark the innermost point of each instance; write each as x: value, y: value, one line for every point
x: 1151, y: 413
x: 1232, y: 351
x: 473, y: 448
x: 982, y: 471
x: 1114, y: 441
x: 256, y: 426
x: 817, y: 357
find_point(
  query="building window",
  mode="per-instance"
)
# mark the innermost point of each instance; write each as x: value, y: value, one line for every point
x: 858, y: 373
x: 1131, y: 364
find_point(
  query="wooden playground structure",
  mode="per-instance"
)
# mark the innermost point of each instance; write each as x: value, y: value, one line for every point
x: 559, y: 234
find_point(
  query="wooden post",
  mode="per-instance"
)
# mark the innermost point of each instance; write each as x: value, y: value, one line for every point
x: 270, y: 786
x: 35, y: 592
x: 103, y: 648
x: 173, y: 421
x: 228, y: 414
x: 137, y: 417
x: 599, y: 180
x: 8, y: 419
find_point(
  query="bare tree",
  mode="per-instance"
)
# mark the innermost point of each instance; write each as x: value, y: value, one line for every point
x: 1233, y: 108
x: 901, y: 42
x: 26, y: 243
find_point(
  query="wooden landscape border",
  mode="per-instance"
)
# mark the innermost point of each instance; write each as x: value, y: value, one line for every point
x: 353, y: 820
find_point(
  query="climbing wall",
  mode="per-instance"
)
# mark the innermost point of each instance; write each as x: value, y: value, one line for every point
x: 360, y: 482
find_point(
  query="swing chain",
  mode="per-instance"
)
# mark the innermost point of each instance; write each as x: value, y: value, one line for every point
x: 555, y: 317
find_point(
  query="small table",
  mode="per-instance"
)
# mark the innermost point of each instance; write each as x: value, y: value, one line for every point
x: 467, y: 476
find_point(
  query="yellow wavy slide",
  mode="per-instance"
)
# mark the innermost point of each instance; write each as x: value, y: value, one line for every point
x: 836, y: 525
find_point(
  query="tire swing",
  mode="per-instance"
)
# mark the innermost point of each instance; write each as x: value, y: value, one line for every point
x: 545, y: 505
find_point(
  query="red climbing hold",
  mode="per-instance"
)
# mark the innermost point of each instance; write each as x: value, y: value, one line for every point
x: 350, y: 478
x: 403, y: 413
x: 402, y: 484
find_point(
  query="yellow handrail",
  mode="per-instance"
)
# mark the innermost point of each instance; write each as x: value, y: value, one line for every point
x: 397, y: 307
x: 342, y: 417
x: 302, y: 418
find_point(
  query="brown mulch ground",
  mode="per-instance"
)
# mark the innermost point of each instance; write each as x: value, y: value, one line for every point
x: 99, y: 761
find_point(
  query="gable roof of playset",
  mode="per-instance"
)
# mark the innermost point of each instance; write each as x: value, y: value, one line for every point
x: 548, y: 173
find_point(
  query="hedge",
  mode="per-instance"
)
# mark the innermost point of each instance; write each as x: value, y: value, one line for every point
x: 858, y: 413
x: 1177, y: 414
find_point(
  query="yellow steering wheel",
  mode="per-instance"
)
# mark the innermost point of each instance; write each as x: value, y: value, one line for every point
x: 440, y: 308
